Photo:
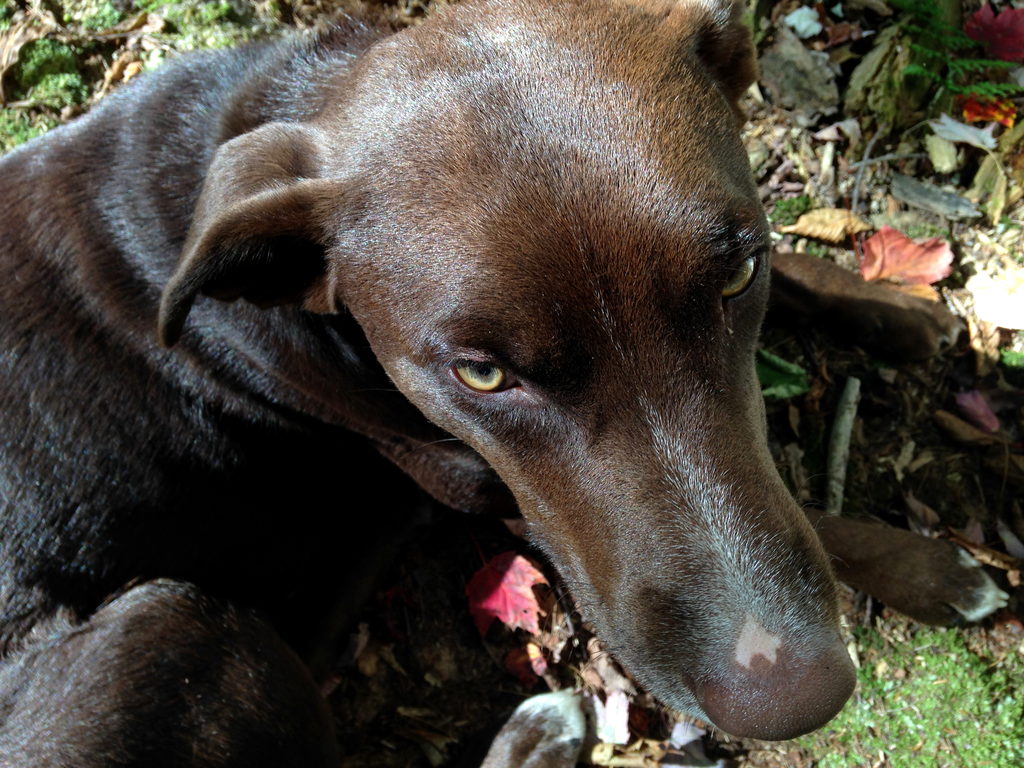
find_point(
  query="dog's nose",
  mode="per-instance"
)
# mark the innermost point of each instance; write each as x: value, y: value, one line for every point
x: 773, y: 688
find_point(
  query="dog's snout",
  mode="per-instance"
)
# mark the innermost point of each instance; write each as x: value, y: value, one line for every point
x: 773, y: 687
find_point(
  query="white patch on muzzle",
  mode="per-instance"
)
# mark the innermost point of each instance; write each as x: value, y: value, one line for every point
x: 754, y: 641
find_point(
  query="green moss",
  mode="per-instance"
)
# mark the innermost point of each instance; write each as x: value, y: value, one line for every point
x: 47, y: 73
x: 923, y: 229
x: 927, y: 701
x: 104, y: 17
x: 815, y: 248
x: 192, y: 24
x: 90, y: 14
x: 16, y: 127
x: 787, y: 211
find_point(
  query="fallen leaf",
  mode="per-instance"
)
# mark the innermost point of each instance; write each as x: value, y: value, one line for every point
x: 833, y: 225
x: 779, y: 378
x: 942, y: 153
x: 973, y: 405
x: 804, y: 21
x: 1013, y: 545
x: 685, y: 733
x: 1002, y: 34
x: 612, y: 718
x: 981, y: 110
x: 931, y: 198
x: 958, y: 132
x: 891, y: 255
x: 981, y: 553
x: 601, y: 671
x: 503, y: 590
x: 849, y: 127
x: 991, y: 185
x: 963, y: 432
x: 903, y: 459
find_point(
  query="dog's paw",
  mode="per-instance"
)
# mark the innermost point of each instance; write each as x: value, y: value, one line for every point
x: 978, y: 594
x: 883, y: 320
x: 545, y: 731
x: 931, y: 580
x: 896, y: 325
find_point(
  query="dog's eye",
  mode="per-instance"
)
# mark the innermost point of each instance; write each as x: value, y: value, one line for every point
x: 483, y: 377
x: 741, y: 278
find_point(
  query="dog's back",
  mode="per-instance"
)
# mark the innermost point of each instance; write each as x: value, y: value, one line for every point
x: 121, y: 460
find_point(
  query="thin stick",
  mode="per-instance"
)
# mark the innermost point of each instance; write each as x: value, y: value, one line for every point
x: 839, y: 446
x: 887, y: 158
x: 863, y: 166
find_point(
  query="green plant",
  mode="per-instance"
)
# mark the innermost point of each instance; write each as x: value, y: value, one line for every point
x: 946, y: 56
x: 787, y: 211
x: 1011, y: 358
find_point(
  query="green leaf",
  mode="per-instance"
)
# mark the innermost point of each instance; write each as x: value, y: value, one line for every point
x: 1011, y: 358
x: 780, y: 379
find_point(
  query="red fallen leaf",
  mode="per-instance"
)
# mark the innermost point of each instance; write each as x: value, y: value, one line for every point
x: 1003, y: 35
x: 977, y: 410
x: 981, y: 110
x: 891, y: 255
x: 503, y: 590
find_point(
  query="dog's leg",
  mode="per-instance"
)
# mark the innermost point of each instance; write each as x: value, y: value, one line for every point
x: 882, y: 320
x: 931, y: 580
x: 161, y: 677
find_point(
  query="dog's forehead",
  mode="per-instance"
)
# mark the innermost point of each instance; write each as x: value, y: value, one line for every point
x: 589, y: 83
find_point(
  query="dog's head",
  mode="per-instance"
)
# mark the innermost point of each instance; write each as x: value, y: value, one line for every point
x: 542, y: 217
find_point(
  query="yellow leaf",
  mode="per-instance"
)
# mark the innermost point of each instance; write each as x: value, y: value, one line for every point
x: 833, y: 225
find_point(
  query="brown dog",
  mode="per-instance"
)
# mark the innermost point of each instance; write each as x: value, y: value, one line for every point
x: 537, y: 221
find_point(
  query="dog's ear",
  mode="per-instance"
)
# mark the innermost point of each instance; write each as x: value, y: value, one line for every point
x: 260, y: 227
x: 715, y: 31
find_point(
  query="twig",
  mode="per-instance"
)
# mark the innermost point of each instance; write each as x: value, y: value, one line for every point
x: 863, y: 167
x: 886, y: 158
x: 839, y: 445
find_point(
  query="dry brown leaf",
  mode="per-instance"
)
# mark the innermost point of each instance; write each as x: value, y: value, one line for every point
x: 963, y: 432
x: 833, y: 225
x: 133, y: 69
x: 985, y: 555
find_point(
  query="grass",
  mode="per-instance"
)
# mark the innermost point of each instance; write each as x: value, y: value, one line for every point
x: 925, y: 698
